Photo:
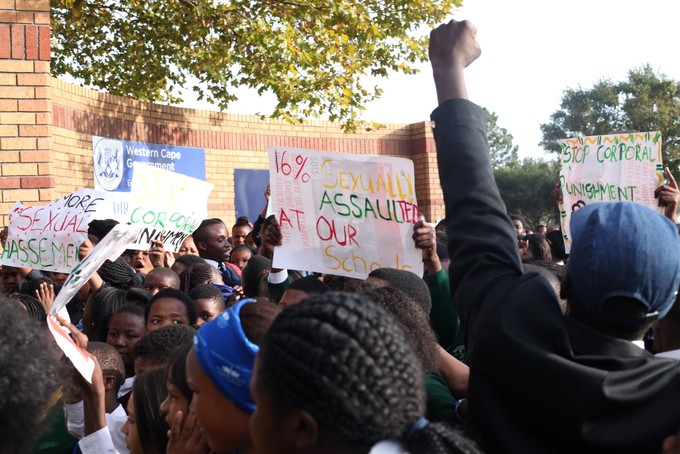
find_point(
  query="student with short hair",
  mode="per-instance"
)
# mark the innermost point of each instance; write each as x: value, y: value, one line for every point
x: 159, y: 279
x: 126, y: 328
x: 211, y: 238
x: 241, y: 254
x: 301, y: 289
x: 113, y: 373
x: 209, y: 301
x: 240, y: 231
x: 167, y: 307
x: 155, y: 349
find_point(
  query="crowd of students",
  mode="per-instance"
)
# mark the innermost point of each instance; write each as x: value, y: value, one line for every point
x: 504, y: 345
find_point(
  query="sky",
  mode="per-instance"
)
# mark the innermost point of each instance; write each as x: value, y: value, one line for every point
x: 532, y: 50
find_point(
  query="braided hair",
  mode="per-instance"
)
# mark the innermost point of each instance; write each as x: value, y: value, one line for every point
x: 33, y: 307
x: 346, y: 362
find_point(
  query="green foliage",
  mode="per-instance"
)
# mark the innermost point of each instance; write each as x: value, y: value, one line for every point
x: 309, y: 53
x: 502, y: 151
x: 645, y: 102
x: 525, y: 188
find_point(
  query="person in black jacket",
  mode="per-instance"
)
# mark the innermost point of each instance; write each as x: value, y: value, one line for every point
x: 541, y: 381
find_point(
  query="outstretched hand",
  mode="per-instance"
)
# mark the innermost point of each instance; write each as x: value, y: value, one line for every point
x: 668, y: 196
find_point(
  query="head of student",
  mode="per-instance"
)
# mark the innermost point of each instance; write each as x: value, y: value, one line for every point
x: 169, y: 307
x: 159, y: 279
x: 209, y: 302
x: 240, y: 231
x: 336, y: 373
x: 518, y: 223
x: 219, y: 369
x: 624, y: 268
x: 211, y: 238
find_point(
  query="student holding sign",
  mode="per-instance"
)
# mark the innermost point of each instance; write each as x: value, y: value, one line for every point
x: 542, y: 381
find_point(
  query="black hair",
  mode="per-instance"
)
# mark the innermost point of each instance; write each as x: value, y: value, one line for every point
x: 189, y: 259
x: 199, y: 234
x: 166, y: 273
x: 131, y: 308
x: 408, y: 282
x: 253, y: 272
x: 556, y: 245
x: 345, y: 284
x: 29, y: 378
x: 159, y: 345
x: 257, y: 317
x: 29, y: 286
x: 138, y: 297
x: 174, y: 294
x: 177, y: 370
x: 149, y: 391
x: 33, y: 307
x: 520, y: 218
x: 413, y: 320
x: 351, y: 367
x: 310, y: 285
x: 539, y: 247
x: 242, y: 221
x: 110, y: 361
x: 105, y: 302
x: 99, y: 228
x: 198, y: 273
x: 208, y: 292
x: 245, y: 246
x: 119, y: 274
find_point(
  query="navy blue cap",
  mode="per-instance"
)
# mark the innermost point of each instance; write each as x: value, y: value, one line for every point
x: 624, y: 249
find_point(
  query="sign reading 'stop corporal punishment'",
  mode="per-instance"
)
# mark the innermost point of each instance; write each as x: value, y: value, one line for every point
x: 616, y: 167
x: 343, y: 214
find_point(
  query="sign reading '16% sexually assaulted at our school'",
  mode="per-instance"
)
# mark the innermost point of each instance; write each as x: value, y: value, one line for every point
x: 343, y: 214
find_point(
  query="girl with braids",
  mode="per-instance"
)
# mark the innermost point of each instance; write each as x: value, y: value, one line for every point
x: 219, y: 368
x: 336, y: 374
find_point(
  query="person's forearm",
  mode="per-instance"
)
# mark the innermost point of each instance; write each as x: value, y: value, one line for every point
x: 455, y: 373
x: 432, y: 265
x: 95, y: 413
x: 450, y: 84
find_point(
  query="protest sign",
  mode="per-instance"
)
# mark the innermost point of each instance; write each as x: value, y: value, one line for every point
x: 343, y: 214
x: 48, y: 237
x: 610, y: 168
x: 110, y: 247
x: 167, y: 206
x: 115, y: 161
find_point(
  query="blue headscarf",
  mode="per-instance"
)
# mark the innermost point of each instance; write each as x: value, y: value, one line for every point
x: 227, y: 356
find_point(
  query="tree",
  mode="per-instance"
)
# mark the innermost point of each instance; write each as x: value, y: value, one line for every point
x: 311, y: 54
x: 525, y: 188
x: 645, y: 102
x: 502, y: 151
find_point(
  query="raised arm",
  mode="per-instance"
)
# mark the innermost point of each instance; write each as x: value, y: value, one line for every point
x: 482, y: 242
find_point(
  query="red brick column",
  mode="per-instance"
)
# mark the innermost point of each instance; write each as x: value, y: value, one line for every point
x: 25, y: 107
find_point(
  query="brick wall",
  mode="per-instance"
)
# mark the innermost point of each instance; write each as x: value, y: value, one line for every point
x: 25, y: 108
x: 230, y: 141
x: 46, y: 128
